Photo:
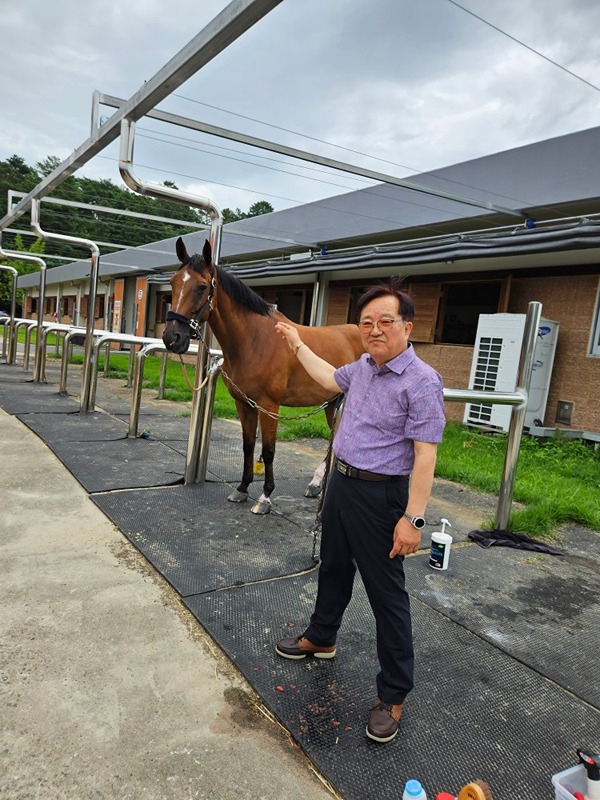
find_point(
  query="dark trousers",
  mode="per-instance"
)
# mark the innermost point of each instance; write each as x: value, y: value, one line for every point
x: 358, y: 526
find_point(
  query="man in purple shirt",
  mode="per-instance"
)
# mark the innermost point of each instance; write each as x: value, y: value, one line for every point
x: 372, y: 515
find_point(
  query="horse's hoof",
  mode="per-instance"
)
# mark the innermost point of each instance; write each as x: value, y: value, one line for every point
x: 261, y: 507
x: 312, y: 490
x: 238, y: 497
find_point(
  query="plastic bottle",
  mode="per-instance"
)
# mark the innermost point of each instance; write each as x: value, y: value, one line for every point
x: 414, y: 791
x: 592, y: 767
x: 440, y: 547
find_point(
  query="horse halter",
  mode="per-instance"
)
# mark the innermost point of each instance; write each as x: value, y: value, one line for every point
x: 195, y: 322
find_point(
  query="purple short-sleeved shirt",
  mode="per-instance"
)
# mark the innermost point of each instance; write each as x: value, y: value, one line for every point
x: 386, y: 410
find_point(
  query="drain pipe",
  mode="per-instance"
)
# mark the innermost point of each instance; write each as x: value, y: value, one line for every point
x: 195, y: 467
x: 17, y: 256
x: 86, y: 379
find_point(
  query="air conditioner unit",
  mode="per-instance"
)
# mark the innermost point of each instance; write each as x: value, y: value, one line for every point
x: 495, y: 366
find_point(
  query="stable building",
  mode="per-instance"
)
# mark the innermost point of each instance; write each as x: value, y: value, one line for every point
x: 459, y: 261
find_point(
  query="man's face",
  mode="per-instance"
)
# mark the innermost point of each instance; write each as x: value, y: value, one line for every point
x: 387, y: 343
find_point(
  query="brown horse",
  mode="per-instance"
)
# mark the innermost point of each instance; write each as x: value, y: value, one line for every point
x: 258, y: 363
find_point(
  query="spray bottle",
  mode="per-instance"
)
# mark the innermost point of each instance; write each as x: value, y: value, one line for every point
x: 440, y: 547
x: 592, y: 767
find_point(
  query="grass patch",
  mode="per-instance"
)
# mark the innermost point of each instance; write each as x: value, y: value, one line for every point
x: 557, y: 480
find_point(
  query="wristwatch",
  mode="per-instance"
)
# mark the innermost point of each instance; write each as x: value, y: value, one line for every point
x: 416, y: 522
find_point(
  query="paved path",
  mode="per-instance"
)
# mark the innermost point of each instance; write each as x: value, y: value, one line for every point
x: 109, y: 688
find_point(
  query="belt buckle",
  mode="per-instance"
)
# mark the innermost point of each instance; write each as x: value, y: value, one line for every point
x: 342, y: 467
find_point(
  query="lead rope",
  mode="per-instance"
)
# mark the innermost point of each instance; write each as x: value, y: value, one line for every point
x: 316, y: 529
x: 252, y: 403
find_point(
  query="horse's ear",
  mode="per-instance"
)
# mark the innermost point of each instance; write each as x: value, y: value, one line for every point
x: 207, y: 253
x: 182, y: 253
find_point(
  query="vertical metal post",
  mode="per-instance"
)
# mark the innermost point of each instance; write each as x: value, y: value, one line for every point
x: 517, y: 419
x: 18, y: 256
x: 37, y: 368
x: 85, y: 403
x: 132, y: 352
x: 163, y: 376
x: 64, y: 364
x: 136, y: 394
x: 12, y: 342
x: 314, y: 308
x: 216, y: 228
x: 207, y: 417
x: 27, y: 350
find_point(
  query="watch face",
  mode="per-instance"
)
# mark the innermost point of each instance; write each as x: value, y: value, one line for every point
x: 419, y: 522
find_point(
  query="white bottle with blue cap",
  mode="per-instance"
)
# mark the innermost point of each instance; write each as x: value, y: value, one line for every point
x: 441, y: 542
x: 413, y: 790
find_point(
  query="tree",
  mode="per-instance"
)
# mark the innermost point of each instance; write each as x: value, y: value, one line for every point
x: 99, y: 226
x: 22, y: 267
x: 260, y: 207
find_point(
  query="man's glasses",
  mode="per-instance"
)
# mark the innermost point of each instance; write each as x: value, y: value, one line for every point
x: 385, y: 324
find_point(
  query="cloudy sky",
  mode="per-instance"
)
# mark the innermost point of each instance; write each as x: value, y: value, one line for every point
x: 408, y: 85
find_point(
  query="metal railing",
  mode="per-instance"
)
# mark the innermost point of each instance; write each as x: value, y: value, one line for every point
x: 216, y: 230
x: 12, y: 342
x: 107, y: 338
x: 155, y: 346
x: 517, y: 399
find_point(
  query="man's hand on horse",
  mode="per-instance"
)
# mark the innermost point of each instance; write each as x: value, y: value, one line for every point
x: 290, y: 334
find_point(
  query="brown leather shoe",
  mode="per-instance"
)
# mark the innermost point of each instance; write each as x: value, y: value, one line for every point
x: 384, y: 722
x: 300, y: 647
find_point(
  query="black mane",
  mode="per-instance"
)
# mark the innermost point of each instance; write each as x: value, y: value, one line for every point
x: 234, y: 288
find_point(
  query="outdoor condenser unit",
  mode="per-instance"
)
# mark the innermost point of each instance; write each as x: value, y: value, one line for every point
x: 496, y: 363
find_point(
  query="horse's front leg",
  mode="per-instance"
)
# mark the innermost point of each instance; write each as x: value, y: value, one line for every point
x: 248, y: 417
x: 268, y: 432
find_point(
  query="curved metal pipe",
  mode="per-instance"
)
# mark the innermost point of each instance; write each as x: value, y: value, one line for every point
x: 138, y: 378
x: 216, y: 229
x: 84, y: 404
x: 12, y: 343
x: 66, y: 355
x: 17, y: 256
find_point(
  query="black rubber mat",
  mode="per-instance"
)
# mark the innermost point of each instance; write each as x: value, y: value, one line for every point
x: 163, y: 428
x: 225, y: 458
x: 14, y: 373
x: 200, y: 542
x: 543, y: 610
x: 123, y: 464
x: 475, y: 712
x: 34, y: 398
x: 87, y: 427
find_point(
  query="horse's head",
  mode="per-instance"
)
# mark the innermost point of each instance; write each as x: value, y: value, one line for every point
x: 192, y: 297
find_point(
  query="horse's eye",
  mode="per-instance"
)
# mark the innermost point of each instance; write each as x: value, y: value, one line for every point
x: 201, y: 288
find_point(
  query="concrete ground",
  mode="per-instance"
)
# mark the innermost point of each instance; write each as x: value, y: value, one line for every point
x: 109, y: 688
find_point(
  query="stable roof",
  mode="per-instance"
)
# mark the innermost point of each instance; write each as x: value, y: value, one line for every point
x: 554, y: 178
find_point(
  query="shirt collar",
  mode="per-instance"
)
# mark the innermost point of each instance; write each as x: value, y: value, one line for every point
x: 397, y: 364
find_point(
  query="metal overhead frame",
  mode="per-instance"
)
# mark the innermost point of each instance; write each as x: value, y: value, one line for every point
x: 224, y: 29
x: 304, y: 155
x: 18, y: 256
x: 86, y: 377
x: 195, y: 469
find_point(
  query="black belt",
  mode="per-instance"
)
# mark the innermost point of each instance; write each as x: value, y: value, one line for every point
x: 364, y: 474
